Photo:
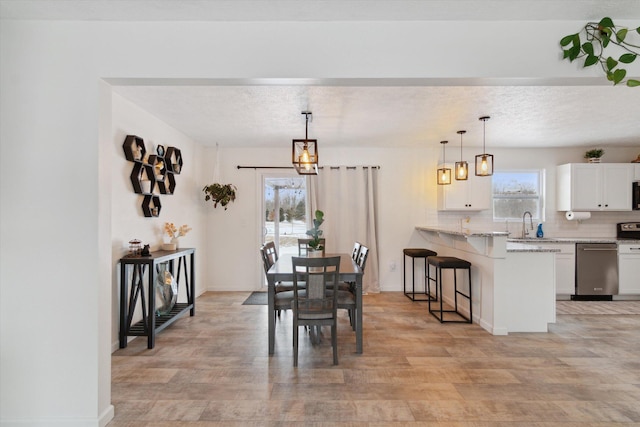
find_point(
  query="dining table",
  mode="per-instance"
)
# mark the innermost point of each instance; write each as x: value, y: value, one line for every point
x: 282, y: 271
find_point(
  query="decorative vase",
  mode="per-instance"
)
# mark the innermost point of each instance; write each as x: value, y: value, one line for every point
x: 314, y: 253
x: 594, y: 159
x: 166, y: 290
x: 175, y: 241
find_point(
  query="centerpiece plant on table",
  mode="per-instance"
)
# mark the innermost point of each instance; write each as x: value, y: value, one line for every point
x: 315, y: 233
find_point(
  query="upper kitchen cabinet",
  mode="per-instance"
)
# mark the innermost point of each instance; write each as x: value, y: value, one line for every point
x: 594, y: 187
x: 474, y: 194
x: 636, y: 168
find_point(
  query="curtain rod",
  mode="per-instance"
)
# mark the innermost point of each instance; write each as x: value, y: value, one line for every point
x: 291, y: 167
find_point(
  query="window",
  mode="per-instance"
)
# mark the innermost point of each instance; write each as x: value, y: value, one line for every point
x: 283, y: 215
x: 515, y: 192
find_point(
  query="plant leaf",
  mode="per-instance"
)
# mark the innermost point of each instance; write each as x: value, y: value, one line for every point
x: 606, y: 22
x: 609, y: 76
x: 618, y: 75
x: 628, y: 58
x: 638, y: 30
x: 605, y: 40
x: 633, y: 83
x: 567, y: 39
x: 591, y: 59
x: 574, y: 52
x: 611, y: 63
x: 620, y: 35
x: 588, y: 48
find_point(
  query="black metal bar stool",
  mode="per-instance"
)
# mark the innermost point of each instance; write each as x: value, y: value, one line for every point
x: 414, y: 253
x: 447, y: 262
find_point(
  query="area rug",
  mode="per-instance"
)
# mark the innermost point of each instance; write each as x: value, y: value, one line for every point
x: 598, y: 307
x: 256, y: 298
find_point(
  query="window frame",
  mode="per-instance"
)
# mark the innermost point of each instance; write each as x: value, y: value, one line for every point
x: 541, y: 195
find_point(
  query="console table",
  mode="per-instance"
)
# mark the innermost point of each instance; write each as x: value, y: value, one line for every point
x: 132, y: 272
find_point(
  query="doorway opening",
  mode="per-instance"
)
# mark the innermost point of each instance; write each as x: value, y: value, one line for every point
x: 284, y: 213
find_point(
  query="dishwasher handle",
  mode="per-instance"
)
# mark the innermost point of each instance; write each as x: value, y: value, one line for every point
x: 599, y: 249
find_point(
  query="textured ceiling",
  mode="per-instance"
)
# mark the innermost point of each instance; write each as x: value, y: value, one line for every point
x: 371, y: 113
x: 521, y: 116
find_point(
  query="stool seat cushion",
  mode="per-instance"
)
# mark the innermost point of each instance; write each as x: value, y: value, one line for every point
x: 448, y: 262
x: 419, y: 252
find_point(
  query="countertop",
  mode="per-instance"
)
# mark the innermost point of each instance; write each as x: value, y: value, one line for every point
x: 572, y: 240
x: 527, y: 247
x: 462, y: 232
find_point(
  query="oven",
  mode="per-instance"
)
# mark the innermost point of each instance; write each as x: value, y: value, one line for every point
x: 628, y: 231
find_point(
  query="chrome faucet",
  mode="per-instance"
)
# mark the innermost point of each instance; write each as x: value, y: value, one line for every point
x: 525, y: 232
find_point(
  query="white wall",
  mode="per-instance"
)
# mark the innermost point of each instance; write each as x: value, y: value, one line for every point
x: 407, y: 197
x: 54, y: 170
x: 182, y: 207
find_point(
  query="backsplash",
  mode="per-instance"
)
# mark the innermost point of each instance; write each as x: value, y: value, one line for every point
x: 601, y: 224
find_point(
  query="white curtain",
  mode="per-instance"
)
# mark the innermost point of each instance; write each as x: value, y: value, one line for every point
x: 348, y: 197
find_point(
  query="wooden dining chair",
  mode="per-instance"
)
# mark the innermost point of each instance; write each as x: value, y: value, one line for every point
x: 317, y: 305
x: 356, y: 251
x: 347, y: 291
x: 303, y: 246
x: 283, y: 290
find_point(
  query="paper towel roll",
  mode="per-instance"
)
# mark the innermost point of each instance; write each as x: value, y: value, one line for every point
x: 577, y: 216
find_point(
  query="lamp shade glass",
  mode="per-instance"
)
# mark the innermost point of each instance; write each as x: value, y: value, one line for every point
x: 444, y: 176
x: 484, y: 164
x: 304, y: 156
x: 462, y: 171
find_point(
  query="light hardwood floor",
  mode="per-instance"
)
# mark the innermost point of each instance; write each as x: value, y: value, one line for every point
x: 213, y: 370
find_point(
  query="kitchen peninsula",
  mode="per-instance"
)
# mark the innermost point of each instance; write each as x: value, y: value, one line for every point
x: 513, y: 284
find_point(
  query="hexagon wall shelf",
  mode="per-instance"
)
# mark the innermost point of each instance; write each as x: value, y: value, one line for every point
x: 156, y: 171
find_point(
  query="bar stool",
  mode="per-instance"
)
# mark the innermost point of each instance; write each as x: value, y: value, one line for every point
x: 414, y: 253
x: 446, y: 262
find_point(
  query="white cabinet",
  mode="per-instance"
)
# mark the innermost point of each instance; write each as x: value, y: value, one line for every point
x: 594, y: 187
x: 565, y: 267
x: 636, y: 175
x: 629, y: 269
x: 474, y: 194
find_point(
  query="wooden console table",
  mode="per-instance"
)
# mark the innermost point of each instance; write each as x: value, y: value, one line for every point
x: 132, y: 271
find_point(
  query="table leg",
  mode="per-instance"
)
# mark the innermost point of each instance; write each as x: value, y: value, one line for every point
x: 359, y: 314
x: 151, y: 338
x: 123, y: 306
x: 270, y: 313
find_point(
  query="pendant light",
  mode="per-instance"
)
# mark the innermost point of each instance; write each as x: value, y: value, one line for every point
x: 484, y: 161
x: 444, y: 173
x: 462, y: 167
x: 304, y: 152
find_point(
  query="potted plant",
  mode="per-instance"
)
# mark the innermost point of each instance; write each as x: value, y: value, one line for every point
x: 315, y: 233
x: 593, y: 156
x: 220, y: 193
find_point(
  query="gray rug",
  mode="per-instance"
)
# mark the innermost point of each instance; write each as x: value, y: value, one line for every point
x: 256, y: 298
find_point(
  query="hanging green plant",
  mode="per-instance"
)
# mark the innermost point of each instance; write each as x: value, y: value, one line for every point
x: 598, y: 36
x: 220, y: 193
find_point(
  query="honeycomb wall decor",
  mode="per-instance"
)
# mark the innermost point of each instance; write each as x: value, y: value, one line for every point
x: 153, y: 174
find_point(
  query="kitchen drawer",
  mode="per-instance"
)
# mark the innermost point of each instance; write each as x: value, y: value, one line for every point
x: 624, y: 248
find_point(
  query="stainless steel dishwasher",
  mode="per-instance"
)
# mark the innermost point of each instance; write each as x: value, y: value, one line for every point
x: 596, y: 271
